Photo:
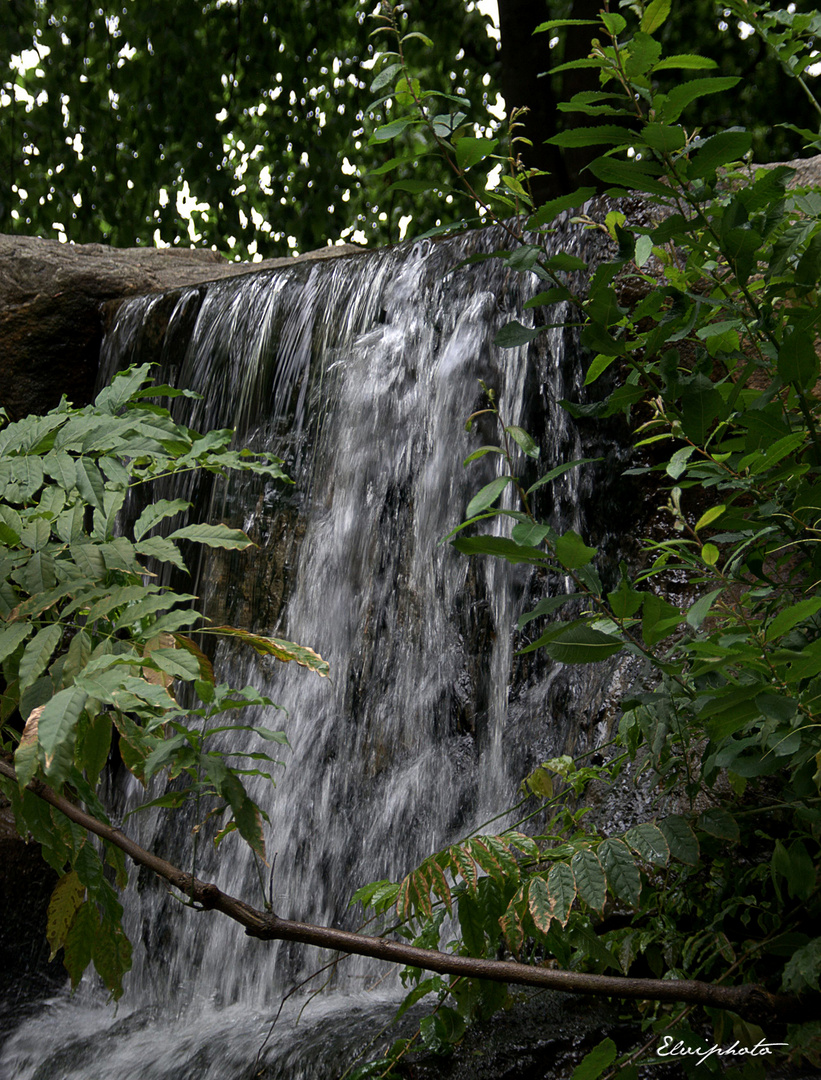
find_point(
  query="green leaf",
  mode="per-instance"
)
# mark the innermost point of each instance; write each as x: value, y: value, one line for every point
x: 720, y: 823
x: 700, y: 406
x: 710, y: 554
x: 38, y: 652
x: 596, y: 338
x: 178, y: 663
x: 122, y: 387
x: 539, y: 905
x: 548, y: 211
x: 620, y: 867
x: 421, y: 37
x: 150, y: 605
x: 709, y: 516
x: 591, y: 883
x: 512, y: 928
x: 80, y: 941
x: 36, y: 534
x: 463, y: 864
x: 560, y: 470
x: 615, y: 24
x: 583, y: 645
x: 249, y: 823
x: 684, y: 62
x: 649, y: 842
x: 96, y: 745
x: 640, y: 55
x: 681, y: 838
x: 413, y: 187
x: 89, y: 559
x: 39, y: 574
x: 561, y: 886
x: 659, y: 619
x: 598, y: 366
x: 470, y: 151
x: 663, y: 137
x: 90, y: 483
x: 499, y: 547
x: 206, y: 668
x: 625, y: 601
x: 487, y: 496
x: 572, y: 552
x: 545, y: 607
x: 385, y: 77
x: 555, y: 24
x: 634, y: 176
x: 513, y: 334
x: 389, y: 131
x: 111, y: 953
x: 425, y: 987
x: 788, y: 618
x: 480, y: 453
x: 57, y: 730
x: 701, y: 608
x: 487, y: 855
x: 719, y: 149
x: 654, y: 17
x: 799, y: 871
x: 798, y: 360
x: 119, y: 554
x: 604, y: 1054
x: 11, y: 637
x: 609, y: 134
x: 216, y: 536
x: 526, y: 443
x: 687, y: 92
x: 530, y: 533
x: 802, y: 970
x: 564, y: 261
x: 155, y: 513
x: 162, y: 549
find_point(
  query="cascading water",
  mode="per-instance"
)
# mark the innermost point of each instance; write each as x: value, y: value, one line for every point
x: 360, y: 373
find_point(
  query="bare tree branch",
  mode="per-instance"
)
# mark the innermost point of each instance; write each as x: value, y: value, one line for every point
x: 748, y: 1000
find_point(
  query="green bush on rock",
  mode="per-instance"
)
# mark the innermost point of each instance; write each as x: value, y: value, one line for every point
x: 709, y: 314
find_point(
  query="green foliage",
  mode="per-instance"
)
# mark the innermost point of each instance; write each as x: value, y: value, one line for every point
x: 91, y: 647
x: 705, y: 318
x: 236, y: 131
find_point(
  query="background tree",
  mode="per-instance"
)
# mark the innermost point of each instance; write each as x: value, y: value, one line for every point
x: 210, y: 123
x: 236, y: 126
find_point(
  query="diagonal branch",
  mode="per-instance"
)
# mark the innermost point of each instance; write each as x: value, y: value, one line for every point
x: 748, y: 1000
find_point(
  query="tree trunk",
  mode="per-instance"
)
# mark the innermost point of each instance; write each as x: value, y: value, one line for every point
x: 525, y: 59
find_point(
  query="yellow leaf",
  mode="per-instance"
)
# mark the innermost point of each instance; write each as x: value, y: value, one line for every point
x: 69, y: 893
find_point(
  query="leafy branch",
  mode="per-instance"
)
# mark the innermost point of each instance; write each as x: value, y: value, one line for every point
x: 267, y: 926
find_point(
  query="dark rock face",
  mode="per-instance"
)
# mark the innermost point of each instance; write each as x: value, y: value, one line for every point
x: 50, y: 298
x: 26, y: 882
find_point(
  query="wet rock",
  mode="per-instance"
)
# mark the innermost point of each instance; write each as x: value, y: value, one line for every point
x: 26, y: 882
x: 50, y: 296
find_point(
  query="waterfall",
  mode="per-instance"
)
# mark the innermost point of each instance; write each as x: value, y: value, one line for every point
x: 360, y: 373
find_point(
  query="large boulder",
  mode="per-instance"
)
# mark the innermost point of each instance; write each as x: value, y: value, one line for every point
x: 50, y: 307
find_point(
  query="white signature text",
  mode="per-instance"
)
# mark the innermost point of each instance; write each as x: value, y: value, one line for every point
x: 670, y: 1047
